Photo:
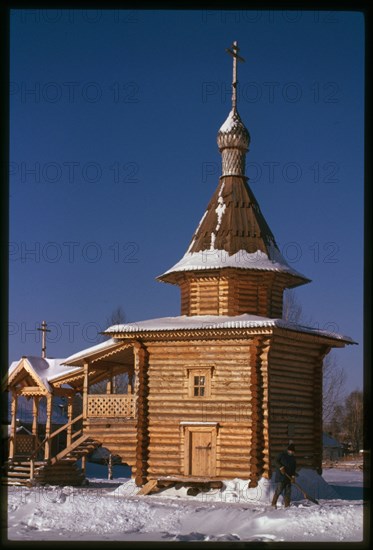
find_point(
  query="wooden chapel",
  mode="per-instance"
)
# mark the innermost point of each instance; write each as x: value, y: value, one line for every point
x: 217, y: 392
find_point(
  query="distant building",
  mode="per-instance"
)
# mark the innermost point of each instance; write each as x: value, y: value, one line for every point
x: 332, y: 449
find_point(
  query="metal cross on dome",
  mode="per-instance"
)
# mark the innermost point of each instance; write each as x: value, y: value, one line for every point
x: 234, y: 54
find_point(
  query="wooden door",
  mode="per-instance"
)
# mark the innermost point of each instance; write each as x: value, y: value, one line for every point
x: 200, y: 460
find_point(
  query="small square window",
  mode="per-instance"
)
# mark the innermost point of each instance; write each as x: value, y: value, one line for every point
x: 199, y: 382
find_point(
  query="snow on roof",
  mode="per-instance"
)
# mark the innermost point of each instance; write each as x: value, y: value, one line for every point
x: 185, y: 322
x: 13, y: 366
x: 90, y: 351
x: 218, y: 259
x: 46, y: 369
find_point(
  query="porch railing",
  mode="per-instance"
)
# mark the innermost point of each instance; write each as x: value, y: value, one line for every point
x: 109, y: 405
x: 46, y: 443
x: 25, y: 444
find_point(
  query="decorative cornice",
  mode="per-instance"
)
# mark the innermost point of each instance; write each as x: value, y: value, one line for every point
x: 111, y: 353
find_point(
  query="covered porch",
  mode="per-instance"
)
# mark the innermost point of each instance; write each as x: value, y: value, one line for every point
x: 106, y: 380
x: 31, y: 429
x: 100, y: 386
x: 109, y: 382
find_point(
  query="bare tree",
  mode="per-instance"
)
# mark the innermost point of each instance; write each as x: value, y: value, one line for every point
x: 292, y: 308
x: 335, y: 424
x: 116, y: 317
x: 334, y: 379
x: 353, y: 420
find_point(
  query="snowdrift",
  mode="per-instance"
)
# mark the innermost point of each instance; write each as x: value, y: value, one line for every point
x: 237, y: 490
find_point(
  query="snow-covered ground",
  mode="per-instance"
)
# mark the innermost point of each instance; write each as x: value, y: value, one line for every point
x: 111, y: 511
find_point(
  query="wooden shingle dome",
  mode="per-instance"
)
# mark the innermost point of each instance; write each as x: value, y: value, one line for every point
x: 233, y: 142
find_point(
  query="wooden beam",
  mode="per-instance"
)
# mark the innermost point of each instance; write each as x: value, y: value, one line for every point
x: 31, y: 390
x: 69, y: 419
x: 13, y: 427
x: 35, y: 413
x: 141, y: 390
x: 109, y: 384
x: 48, y: 425
x: 64, y: 392
x: 148, y: 487
x: 84, y: 463
x: 85, y: 391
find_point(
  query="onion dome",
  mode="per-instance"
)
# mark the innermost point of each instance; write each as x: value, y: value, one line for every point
x: 233, y: 143
x: 233, y: 133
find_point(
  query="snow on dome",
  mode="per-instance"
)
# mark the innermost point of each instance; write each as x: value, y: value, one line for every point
x: 233, y: 133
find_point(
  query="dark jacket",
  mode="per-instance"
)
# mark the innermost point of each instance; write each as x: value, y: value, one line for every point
x: 284, y: 459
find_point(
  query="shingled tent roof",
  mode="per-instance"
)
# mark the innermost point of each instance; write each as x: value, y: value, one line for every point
x: 233, y: 233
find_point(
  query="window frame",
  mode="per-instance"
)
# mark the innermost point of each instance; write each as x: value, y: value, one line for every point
x: 199, y: 371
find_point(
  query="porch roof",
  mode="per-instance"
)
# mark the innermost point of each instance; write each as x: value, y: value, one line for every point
x: 42, y: 370
x: 92, y: 352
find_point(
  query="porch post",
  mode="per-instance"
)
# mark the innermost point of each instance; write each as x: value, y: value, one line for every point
x: 35, y: 414
x: 13, y: 427
x: 69, y: 419
x: 109, y: 384
x: 84, y: 463
x: 47, y: 450
x: 130, y: 383
x: 85, y: 391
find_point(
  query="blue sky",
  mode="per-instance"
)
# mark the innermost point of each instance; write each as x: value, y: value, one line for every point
x: 114, y: 116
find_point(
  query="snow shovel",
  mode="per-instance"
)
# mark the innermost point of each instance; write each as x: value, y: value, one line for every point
x: 307, y: 496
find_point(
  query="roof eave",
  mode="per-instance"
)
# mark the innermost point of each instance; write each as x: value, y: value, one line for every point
x: 327, y: 337
x: 78, y: 359
x: 174, y: 277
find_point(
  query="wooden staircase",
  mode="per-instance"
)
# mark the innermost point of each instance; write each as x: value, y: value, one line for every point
x: 60, y: 470
x: 17, y: 472
x: 83, y: 446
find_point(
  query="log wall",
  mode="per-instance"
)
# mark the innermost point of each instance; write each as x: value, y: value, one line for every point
x: 231, y: 405
x: 262, y: 390
x: 142, y: 412
x: 295, y: 397
x: 119, y: 435
x: 231, y: 292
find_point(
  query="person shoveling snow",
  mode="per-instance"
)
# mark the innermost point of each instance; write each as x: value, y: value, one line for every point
x: 285, y: 475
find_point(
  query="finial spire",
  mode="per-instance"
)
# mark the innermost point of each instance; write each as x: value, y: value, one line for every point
x: 233, y: 137
x: 234, y: 54
x: 44, y: 331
